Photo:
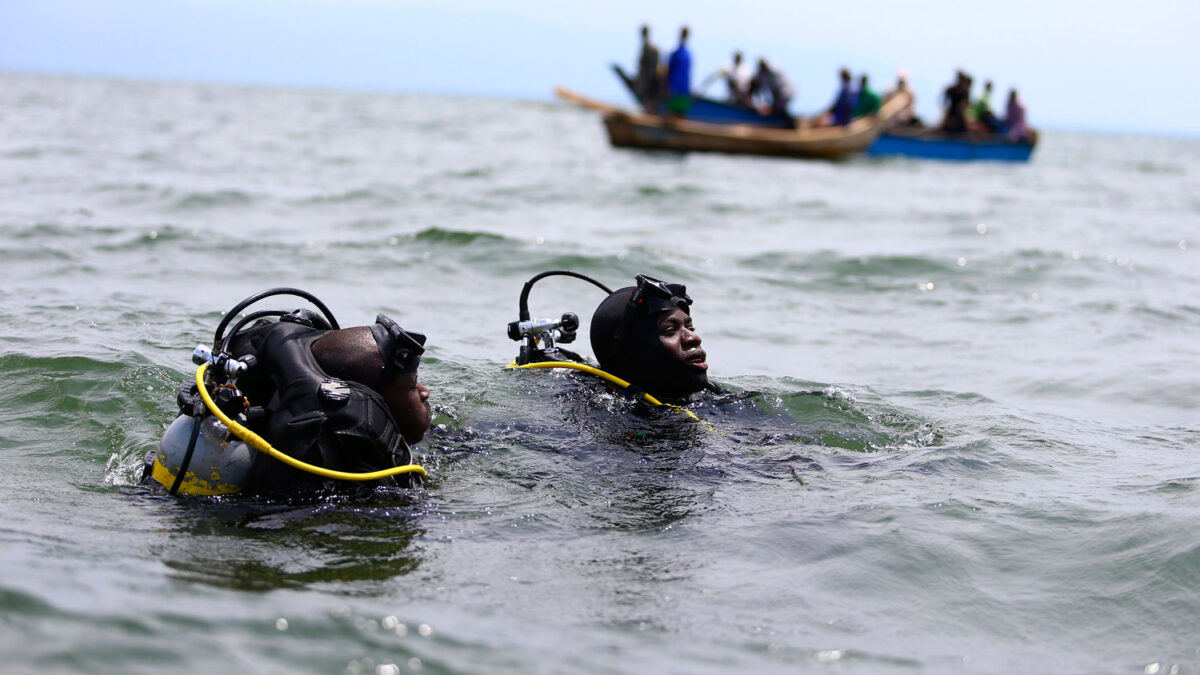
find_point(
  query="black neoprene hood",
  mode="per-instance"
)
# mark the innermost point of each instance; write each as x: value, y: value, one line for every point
x: 624, y: 336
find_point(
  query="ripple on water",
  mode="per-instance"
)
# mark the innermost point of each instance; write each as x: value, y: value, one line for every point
x: 215, y: 199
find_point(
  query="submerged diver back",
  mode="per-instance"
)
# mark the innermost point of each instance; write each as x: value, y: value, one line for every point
x: 323, y: 410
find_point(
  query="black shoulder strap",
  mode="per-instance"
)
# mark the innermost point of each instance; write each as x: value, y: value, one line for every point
x: 318, y: 419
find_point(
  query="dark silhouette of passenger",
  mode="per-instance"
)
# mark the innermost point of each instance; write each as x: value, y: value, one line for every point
x: 955, y: 100
x: 647, y: 85
x: 772, y: 87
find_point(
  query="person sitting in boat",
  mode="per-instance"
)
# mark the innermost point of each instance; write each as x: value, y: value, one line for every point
x: 647, y: 85
x: 1014, y: 119
x: 679, y: 77
x: 644, y: 335
x: 866, y: 101
x: 842, y: 110
x: 342, y: 401
x: 980, y: 114
x: 773, y: 88
x: 955, y: 99
x: 737, y: 81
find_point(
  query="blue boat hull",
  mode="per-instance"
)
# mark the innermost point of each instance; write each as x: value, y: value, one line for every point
x: 951, y: 148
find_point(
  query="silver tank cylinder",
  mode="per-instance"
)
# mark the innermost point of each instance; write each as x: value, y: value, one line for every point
x: 220, y: 463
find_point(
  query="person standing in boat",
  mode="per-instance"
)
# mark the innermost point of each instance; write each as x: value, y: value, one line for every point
x: 646, y: 85
x: 955, y: 99
x: 867, y: 101
x: 842, y: 109
x: 679, y: 77
x: 773, y: 87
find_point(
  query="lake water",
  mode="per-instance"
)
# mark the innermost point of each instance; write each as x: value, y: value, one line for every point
x: 975, y: 446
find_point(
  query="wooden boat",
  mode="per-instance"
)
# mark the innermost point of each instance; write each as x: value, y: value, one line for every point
x: 924, y: 143
x: 664, y: 132
x: 709, y: 110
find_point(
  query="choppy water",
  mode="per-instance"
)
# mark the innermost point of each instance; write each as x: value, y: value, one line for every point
x: 975, y: 449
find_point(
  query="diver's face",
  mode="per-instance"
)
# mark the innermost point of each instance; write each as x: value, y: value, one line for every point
x: 679, y: 338
x: 408, y: 401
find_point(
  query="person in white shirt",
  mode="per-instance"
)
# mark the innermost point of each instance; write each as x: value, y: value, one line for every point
x: 737, y: 80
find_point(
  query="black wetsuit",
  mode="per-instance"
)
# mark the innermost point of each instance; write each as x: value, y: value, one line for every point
x: 312, y: 416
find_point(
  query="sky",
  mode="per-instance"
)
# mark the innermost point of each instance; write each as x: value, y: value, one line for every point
x: 1100, y: 65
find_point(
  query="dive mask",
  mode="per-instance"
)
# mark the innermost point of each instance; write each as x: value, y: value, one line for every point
x: 656, y: 296
x: 401, y: 350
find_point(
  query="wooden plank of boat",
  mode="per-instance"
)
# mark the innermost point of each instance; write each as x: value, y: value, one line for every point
x: 664, y: 132
x: 583, y: 101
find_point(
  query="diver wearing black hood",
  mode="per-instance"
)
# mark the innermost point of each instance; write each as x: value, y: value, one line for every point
x: 644, y: 334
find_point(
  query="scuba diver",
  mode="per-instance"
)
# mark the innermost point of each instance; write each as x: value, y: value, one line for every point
x: 642, y: 336
x: 297, y: 408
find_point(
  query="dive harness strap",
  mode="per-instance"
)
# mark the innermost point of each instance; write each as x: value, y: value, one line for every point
x: 260, y: 444
x: 197, y: 419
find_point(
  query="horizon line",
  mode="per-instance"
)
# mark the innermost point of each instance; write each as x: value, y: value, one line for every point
x: 491, y: 95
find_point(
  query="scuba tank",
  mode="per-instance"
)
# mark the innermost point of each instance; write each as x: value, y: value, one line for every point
x: 198, y: 455
x: 219, y: 464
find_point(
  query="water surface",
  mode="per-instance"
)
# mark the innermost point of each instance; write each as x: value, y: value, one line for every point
x: 973, y: 446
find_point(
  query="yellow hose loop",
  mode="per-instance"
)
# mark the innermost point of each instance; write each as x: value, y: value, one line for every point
x: 609, y: 377
x: 260, y: 444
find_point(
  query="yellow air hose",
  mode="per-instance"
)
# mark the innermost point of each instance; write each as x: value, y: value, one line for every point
x: 609, y: 377
x: 260, y: 444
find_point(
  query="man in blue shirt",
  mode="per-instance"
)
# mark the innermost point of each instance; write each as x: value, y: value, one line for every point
x: 679, y: 77
x: 843, y: 106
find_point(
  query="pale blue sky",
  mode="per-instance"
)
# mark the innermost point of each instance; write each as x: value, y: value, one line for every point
x: 1098, y: 65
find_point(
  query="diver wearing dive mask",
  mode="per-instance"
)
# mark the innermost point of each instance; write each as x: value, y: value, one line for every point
x: 645, y: 335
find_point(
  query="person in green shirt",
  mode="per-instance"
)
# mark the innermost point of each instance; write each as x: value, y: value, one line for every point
x: 867, y: 100
x: 981, y: 110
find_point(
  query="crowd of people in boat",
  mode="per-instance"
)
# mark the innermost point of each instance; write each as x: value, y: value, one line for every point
x: 964, y: 114
x: 769, y: 91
